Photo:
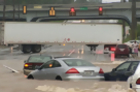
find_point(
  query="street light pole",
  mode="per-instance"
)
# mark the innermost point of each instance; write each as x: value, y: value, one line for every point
x: 134, y: 22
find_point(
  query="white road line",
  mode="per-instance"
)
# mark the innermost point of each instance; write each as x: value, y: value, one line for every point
x: 71, y: 52
x: 11, y: 69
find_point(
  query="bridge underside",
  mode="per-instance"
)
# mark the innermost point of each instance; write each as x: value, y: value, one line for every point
x: 11, y: 19
x: 45, y: 18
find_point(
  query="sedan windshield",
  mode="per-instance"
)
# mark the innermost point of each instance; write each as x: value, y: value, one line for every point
x: 39, y: 59
x: 77, y: 62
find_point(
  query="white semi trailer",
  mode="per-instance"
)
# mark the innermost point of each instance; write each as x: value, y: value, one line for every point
x: 31, y: 36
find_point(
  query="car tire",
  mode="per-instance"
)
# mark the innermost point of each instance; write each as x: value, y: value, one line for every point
x: 130, y: 85
x: 116, y: 56
x: 107, y: 79
x: 128, y: 56
x: 58, y: 78
x: 36, y: 48
x: 26, y: 49
x: 30, y: 77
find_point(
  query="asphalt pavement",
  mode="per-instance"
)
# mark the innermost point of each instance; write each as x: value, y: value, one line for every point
x: 16, y: 82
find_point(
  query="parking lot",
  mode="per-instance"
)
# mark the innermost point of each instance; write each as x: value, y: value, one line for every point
x: 16, y: 82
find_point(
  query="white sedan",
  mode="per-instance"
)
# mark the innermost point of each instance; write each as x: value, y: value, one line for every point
x: 134, y: 80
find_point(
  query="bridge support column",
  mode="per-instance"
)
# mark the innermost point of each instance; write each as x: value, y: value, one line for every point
x: 28, y: 18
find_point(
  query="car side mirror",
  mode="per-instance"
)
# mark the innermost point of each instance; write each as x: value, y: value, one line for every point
x: 25, y: 61
x: 114, y: 69
x: 39, y: 68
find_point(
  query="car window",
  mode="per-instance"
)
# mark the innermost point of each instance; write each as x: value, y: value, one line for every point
x: 134, y: 66
x: 77, y: 62
x: 56, y: 64
x: 51, y: 64
x: 123, y: 67
x: 47, y: 65
x: 39, y: 58
x: 121, y: 46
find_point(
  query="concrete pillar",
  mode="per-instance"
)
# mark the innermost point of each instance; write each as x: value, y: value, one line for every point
x: 29, y: 18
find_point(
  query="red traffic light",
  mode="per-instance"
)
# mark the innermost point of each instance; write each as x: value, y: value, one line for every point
x: 100, y: 9
x: 72, y: 10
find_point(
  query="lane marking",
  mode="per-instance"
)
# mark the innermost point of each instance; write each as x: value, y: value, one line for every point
x: 11, y: 69
x: 71, y: 52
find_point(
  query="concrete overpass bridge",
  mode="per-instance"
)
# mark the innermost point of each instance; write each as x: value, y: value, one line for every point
x: 110, y: 11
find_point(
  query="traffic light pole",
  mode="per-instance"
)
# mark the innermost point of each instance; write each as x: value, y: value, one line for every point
x: 18, y: 10
x: 4, y: 10
x: 134, y: 22
x: 13, y: 10
x: 123, y: 23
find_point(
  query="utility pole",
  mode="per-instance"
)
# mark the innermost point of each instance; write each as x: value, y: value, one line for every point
x: 134, y: 22
x: 123, y: 23
x: 18, y: 10
x: 4, y: 10
x: 13, y: 10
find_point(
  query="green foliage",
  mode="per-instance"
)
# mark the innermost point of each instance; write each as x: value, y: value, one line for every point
x: 137, y: 33
x: 129, y: 37
x: 138, y: 29
x: 120, y: 21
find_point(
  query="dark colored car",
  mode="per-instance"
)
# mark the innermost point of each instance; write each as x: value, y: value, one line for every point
x: 122, y: 50
x: 34, y: 62
x: 122, y: 71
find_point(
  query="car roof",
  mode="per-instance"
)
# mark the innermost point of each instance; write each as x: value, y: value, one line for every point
x: 41, y: 55
x: 133, y: 61
x: 66, y: 58
x: 63, y: 57
x: 121, y: 44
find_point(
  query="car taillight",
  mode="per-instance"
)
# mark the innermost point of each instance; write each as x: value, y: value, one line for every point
x: 138, y: 81
x: 113, y: 48
x: 101, y: 71
x: 72, y: 71
x: 26, y: 65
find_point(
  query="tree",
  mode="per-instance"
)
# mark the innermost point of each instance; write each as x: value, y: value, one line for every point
x: 136, y: 0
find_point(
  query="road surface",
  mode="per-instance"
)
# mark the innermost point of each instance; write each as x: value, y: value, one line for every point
x: 16, y: 82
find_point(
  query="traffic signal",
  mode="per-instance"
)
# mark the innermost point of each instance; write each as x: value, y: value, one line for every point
x: 100, y: 10
x: 52, y: 11
x: 24, y: 9
x: 72, y: 12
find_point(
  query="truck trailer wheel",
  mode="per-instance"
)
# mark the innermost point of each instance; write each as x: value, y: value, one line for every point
x: 36, y: 48
x: 26, y: 49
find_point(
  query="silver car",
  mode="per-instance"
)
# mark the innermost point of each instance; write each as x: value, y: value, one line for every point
x: 67, y: 69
